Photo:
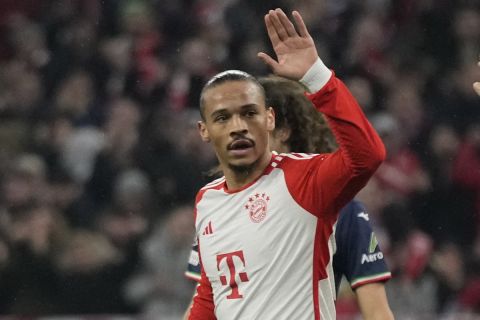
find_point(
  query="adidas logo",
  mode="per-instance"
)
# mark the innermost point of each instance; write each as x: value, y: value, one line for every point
x: 208, y: 229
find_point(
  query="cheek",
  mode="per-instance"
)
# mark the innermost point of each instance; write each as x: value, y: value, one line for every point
x: 262, y: 137
x: 217, y: 138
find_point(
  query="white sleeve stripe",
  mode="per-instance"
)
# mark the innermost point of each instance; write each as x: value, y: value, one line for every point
x: 214, y: 183
x: 372, y: 278
x: 193, y: 276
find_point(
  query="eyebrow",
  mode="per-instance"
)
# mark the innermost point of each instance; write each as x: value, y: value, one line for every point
x: 242, y: 108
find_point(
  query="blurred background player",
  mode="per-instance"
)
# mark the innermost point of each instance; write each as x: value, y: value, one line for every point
x: 300, y: 128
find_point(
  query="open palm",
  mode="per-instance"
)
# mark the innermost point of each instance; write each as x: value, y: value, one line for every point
x: 295, y: 51
x: 476, y: 85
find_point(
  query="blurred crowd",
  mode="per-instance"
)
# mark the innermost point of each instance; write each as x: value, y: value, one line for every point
x: 100, y: 158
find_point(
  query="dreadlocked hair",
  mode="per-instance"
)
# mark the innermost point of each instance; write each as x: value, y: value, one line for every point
x: 309, y: 130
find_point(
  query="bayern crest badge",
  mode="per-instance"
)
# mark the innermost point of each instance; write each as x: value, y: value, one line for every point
x: 257, y: 207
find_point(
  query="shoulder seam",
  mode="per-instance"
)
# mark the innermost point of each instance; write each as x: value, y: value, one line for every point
x: 213, y: 184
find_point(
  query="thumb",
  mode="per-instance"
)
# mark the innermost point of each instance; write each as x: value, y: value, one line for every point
x: 476, y: 87
x: 268, y: 61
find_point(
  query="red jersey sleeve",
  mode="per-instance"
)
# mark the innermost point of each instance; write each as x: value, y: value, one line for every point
x: 324, y: 184
x: 203, y: 307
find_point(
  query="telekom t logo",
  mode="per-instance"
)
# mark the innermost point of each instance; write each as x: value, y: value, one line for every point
x: 235, y: 294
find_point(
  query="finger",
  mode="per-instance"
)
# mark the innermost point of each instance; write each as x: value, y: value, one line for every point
x: 272, y: 33
x: 287, y: 24
x: 282, y: 33
x: 269, y: 61
x: 476, y: 87
x: 302, y: 29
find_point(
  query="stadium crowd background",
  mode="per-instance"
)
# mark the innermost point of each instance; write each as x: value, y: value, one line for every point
x: 100, y: 158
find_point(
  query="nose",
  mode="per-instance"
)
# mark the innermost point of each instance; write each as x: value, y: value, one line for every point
x: 238, y: 125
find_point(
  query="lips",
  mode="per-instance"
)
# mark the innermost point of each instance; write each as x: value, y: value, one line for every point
x: 240, y: 147
x: 241, y: 144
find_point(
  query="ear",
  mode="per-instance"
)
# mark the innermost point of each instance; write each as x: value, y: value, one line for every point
x: 202, y: 129
x: 270, y: 119
x: 283, y: 134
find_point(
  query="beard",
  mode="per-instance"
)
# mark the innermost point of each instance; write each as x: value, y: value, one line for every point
x: 243, y: 170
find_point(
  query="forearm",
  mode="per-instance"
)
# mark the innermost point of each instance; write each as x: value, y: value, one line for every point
x: 362, y: 148
x: 360, y: 152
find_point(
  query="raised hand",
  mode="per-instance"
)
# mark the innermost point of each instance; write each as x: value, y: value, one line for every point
x: 295, y: 50
x: 476, y: 85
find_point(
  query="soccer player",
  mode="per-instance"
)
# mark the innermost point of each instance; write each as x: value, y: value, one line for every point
x: 300, y: 128
x: 264, y: 229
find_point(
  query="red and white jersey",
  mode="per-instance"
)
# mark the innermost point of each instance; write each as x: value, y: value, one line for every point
x: 265, y: 249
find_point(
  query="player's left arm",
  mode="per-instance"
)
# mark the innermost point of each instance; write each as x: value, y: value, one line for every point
x: 362, y: 261
x: 373, y: 303
x: 341, y: 175
x: 358, y: 248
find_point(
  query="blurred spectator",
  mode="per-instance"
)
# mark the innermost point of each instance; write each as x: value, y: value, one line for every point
x: 413, y: 289
x: 75, y: 98
x: 121, y: 132
x: 456, y: 102
x: 66, y: 195
x: 466, y: 171
x: 469, y: 297
x: 194, y: 69
x: 160, y: 286
x: 36, y: 234
x: 125, y: 221
x: 115, y: 63
x: 25, y: 182
x: 137, y: 19
x: 23, y: 92
x: 91, y: 271
x: 466, y: 28
x: 363, y: 90
x: 176, y: 158
x: 405, y: 104
x: 28, y: 42
x: 434, y: 209
x: 448, y: 265
x: 401, y: 174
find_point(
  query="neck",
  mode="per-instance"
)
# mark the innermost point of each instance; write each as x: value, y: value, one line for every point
x: 237, y: 177
x: 284, y: 148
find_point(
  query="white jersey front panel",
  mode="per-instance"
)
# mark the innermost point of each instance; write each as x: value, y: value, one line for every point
x: 257, y: 249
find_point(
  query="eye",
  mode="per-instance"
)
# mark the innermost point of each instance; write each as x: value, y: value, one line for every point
x: 220, y: 118
x: 251, y: 113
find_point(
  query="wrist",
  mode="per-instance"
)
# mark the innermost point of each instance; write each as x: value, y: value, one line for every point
x: 317, y: 76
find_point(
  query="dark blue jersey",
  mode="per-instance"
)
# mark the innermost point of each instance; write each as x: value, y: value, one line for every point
x: 358, y: 256
x: 194, y: 270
